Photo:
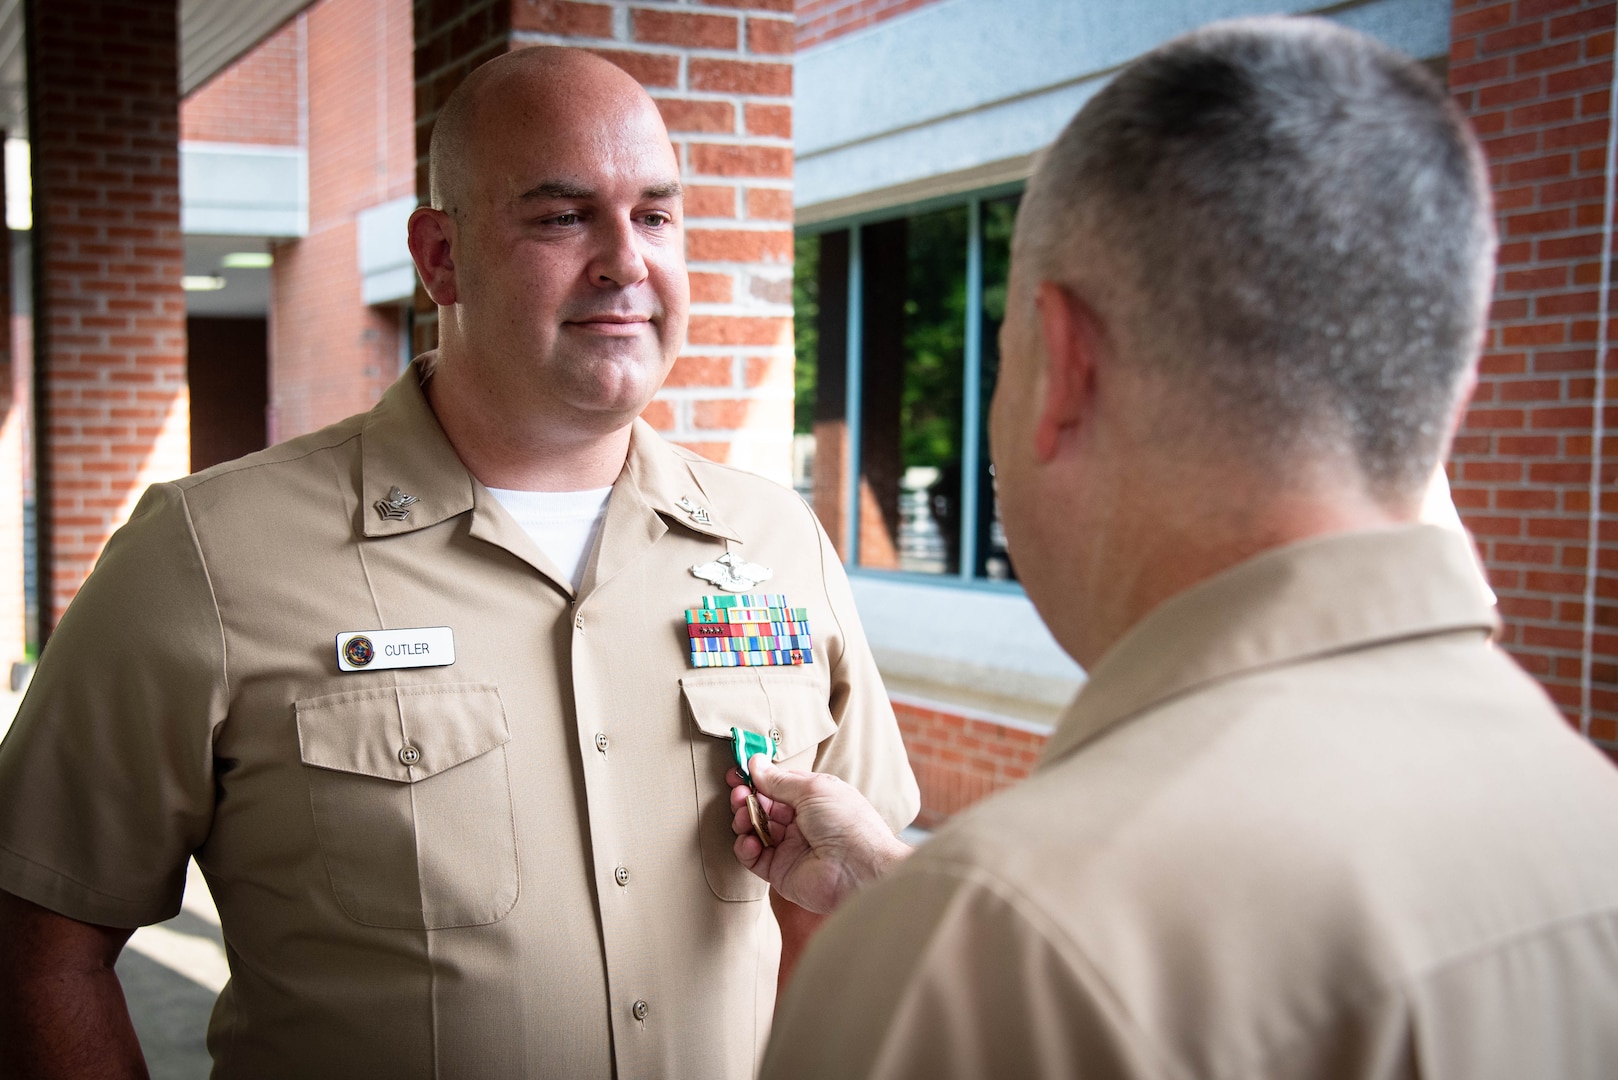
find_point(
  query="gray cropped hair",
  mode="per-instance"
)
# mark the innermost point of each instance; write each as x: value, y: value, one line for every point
x: 1302, y: 219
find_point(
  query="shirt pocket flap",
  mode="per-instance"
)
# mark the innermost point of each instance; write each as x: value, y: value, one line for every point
x: 404, y: 733
x: 791, y: 707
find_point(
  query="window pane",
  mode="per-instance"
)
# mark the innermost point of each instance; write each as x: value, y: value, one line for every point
x: 806, y: 359
x: 998, y: 216
x: 913, y: 352
x: 820, y: 439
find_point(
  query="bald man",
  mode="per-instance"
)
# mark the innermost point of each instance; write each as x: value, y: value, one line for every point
x: 1304, y: 820
x: 417, y: 691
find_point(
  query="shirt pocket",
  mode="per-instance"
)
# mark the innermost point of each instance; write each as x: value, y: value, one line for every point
x: 412, y: 803
x: 790, y: 707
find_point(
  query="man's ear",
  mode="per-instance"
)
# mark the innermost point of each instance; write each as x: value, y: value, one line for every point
x: 431, y: 232
x: 1071, y: 335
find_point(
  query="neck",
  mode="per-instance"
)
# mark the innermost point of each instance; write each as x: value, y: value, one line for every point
x: 1162, y: 540
x: 525, y: 452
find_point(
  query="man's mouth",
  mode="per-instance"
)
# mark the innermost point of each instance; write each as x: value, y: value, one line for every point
x: 611, y: 324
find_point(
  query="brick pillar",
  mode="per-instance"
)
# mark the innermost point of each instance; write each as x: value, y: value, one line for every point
x: 109, y: 325
x: 721, y: 73
x: 333, y: 354
x: 1535, y: 78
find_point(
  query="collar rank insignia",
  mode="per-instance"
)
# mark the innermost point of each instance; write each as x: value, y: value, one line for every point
x: 396, y: 507
x: 699, y: 514
x: 752, y: 630
x: 732, y: 574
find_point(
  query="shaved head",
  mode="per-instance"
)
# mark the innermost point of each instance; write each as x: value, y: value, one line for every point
x: 554, y: 247
x: 559, y: 80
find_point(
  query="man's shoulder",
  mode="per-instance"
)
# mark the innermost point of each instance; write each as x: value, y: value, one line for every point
x: 746, y: 500
x: 282, y: 459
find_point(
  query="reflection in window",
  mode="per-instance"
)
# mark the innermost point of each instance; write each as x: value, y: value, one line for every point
x: 997, y: 218
x: 914, y: 341
x: 923, y: 297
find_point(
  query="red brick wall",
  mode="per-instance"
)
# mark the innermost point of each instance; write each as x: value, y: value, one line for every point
x: 1535, y: 76
x: 255, y: 100
x: 110, y: 317
x: 820, y: 21
x: 722, y: 74
x: 331, y: 355
x: 959, y: 760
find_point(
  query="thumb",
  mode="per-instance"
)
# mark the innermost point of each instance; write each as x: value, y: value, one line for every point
x: 782, y: 785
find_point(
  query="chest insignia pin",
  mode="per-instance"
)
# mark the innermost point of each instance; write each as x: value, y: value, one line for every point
x: 699, y: 514
x: 396, y: 507
x: 731, y: 573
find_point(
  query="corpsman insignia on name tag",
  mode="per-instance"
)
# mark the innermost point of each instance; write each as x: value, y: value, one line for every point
x: 396, y: 507
x: 732, y: 574
x: 757, y: 630
x: 379, y: 650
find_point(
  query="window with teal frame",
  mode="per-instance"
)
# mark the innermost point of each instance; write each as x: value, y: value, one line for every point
x: 898, y: 317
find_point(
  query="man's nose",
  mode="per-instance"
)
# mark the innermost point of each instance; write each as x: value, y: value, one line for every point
x: 618, y: 259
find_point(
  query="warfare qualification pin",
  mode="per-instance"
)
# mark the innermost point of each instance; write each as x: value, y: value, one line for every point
x: 731, y: 573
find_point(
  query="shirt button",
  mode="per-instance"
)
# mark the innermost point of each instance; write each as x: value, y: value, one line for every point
x: 775, y: 736
x: 621, y: 875
x: 640, y: 1009
x: 601, y: 741
x: 578, y: 622
x: 409, y: 755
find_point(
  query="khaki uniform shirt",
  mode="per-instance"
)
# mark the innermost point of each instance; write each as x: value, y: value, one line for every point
x: 1303, y: 821
x: 557, y: 848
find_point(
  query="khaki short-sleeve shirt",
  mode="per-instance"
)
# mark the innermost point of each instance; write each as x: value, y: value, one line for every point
x: 1304, y: 821
x: 517, y: 864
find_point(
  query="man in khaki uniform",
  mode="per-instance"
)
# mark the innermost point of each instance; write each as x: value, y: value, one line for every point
x: 454, y: 782
x: 1304, y: 820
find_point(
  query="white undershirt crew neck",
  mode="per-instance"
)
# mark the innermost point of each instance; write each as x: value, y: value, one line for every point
x: 564, y: 524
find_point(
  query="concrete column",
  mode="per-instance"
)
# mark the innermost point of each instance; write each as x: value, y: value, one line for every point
x: 12, y: 425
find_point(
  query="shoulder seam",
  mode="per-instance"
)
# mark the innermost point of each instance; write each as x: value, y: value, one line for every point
x: 213, y: 596
x: 231, y: 468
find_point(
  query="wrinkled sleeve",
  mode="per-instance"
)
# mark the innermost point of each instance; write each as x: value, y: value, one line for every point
x: 107, y: 773
x: 940, y: 974
x: 867, y: 750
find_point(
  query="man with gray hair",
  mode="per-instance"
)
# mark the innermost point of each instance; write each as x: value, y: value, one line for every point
x: 1304, y: 820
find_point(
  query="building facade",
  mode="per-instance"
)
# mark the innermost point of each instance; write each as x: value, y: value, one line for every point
x: 234, y: 273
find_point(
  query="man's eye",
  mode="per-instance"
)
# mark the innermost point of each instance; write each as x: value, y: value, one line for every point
x: 565, y: 219
x: 657, y: 220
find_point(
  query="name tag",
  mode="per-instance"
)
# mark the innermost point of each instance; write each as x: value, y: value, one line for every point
x: 377, y: 650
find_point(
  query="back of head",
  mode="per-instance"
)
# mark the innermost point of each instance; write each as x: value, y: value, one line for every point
x: 1296, y: 222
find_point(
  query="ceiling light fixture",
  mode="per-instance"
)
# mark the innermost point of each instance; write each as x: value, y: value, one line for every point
x: 248, y: 260
x: 201, y: 283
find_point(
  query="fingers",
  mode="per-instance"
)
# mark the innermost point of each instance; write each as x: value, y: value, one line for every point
x: 749, y: 851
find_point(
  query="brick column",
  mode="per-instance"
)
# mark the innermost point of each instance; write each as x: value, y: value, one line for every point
x: 333, y: 354
x: 721, y: 73
x: 110, y: 388
x: 1535, y: 77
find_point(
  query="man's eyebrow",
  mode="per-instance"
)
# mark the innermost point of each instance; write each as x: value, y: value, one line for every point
x: 558, y: 189
x: 563, y: 189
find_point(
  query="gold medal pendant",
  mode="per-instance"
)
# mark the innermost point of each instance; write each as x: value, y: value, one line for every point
x: 761, y: 827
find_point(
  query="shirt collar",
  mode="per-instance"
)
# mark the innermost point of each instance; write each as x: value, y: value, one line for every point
x: 1306, y: 600
x: 669, y: 486
x: 403, y: 446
